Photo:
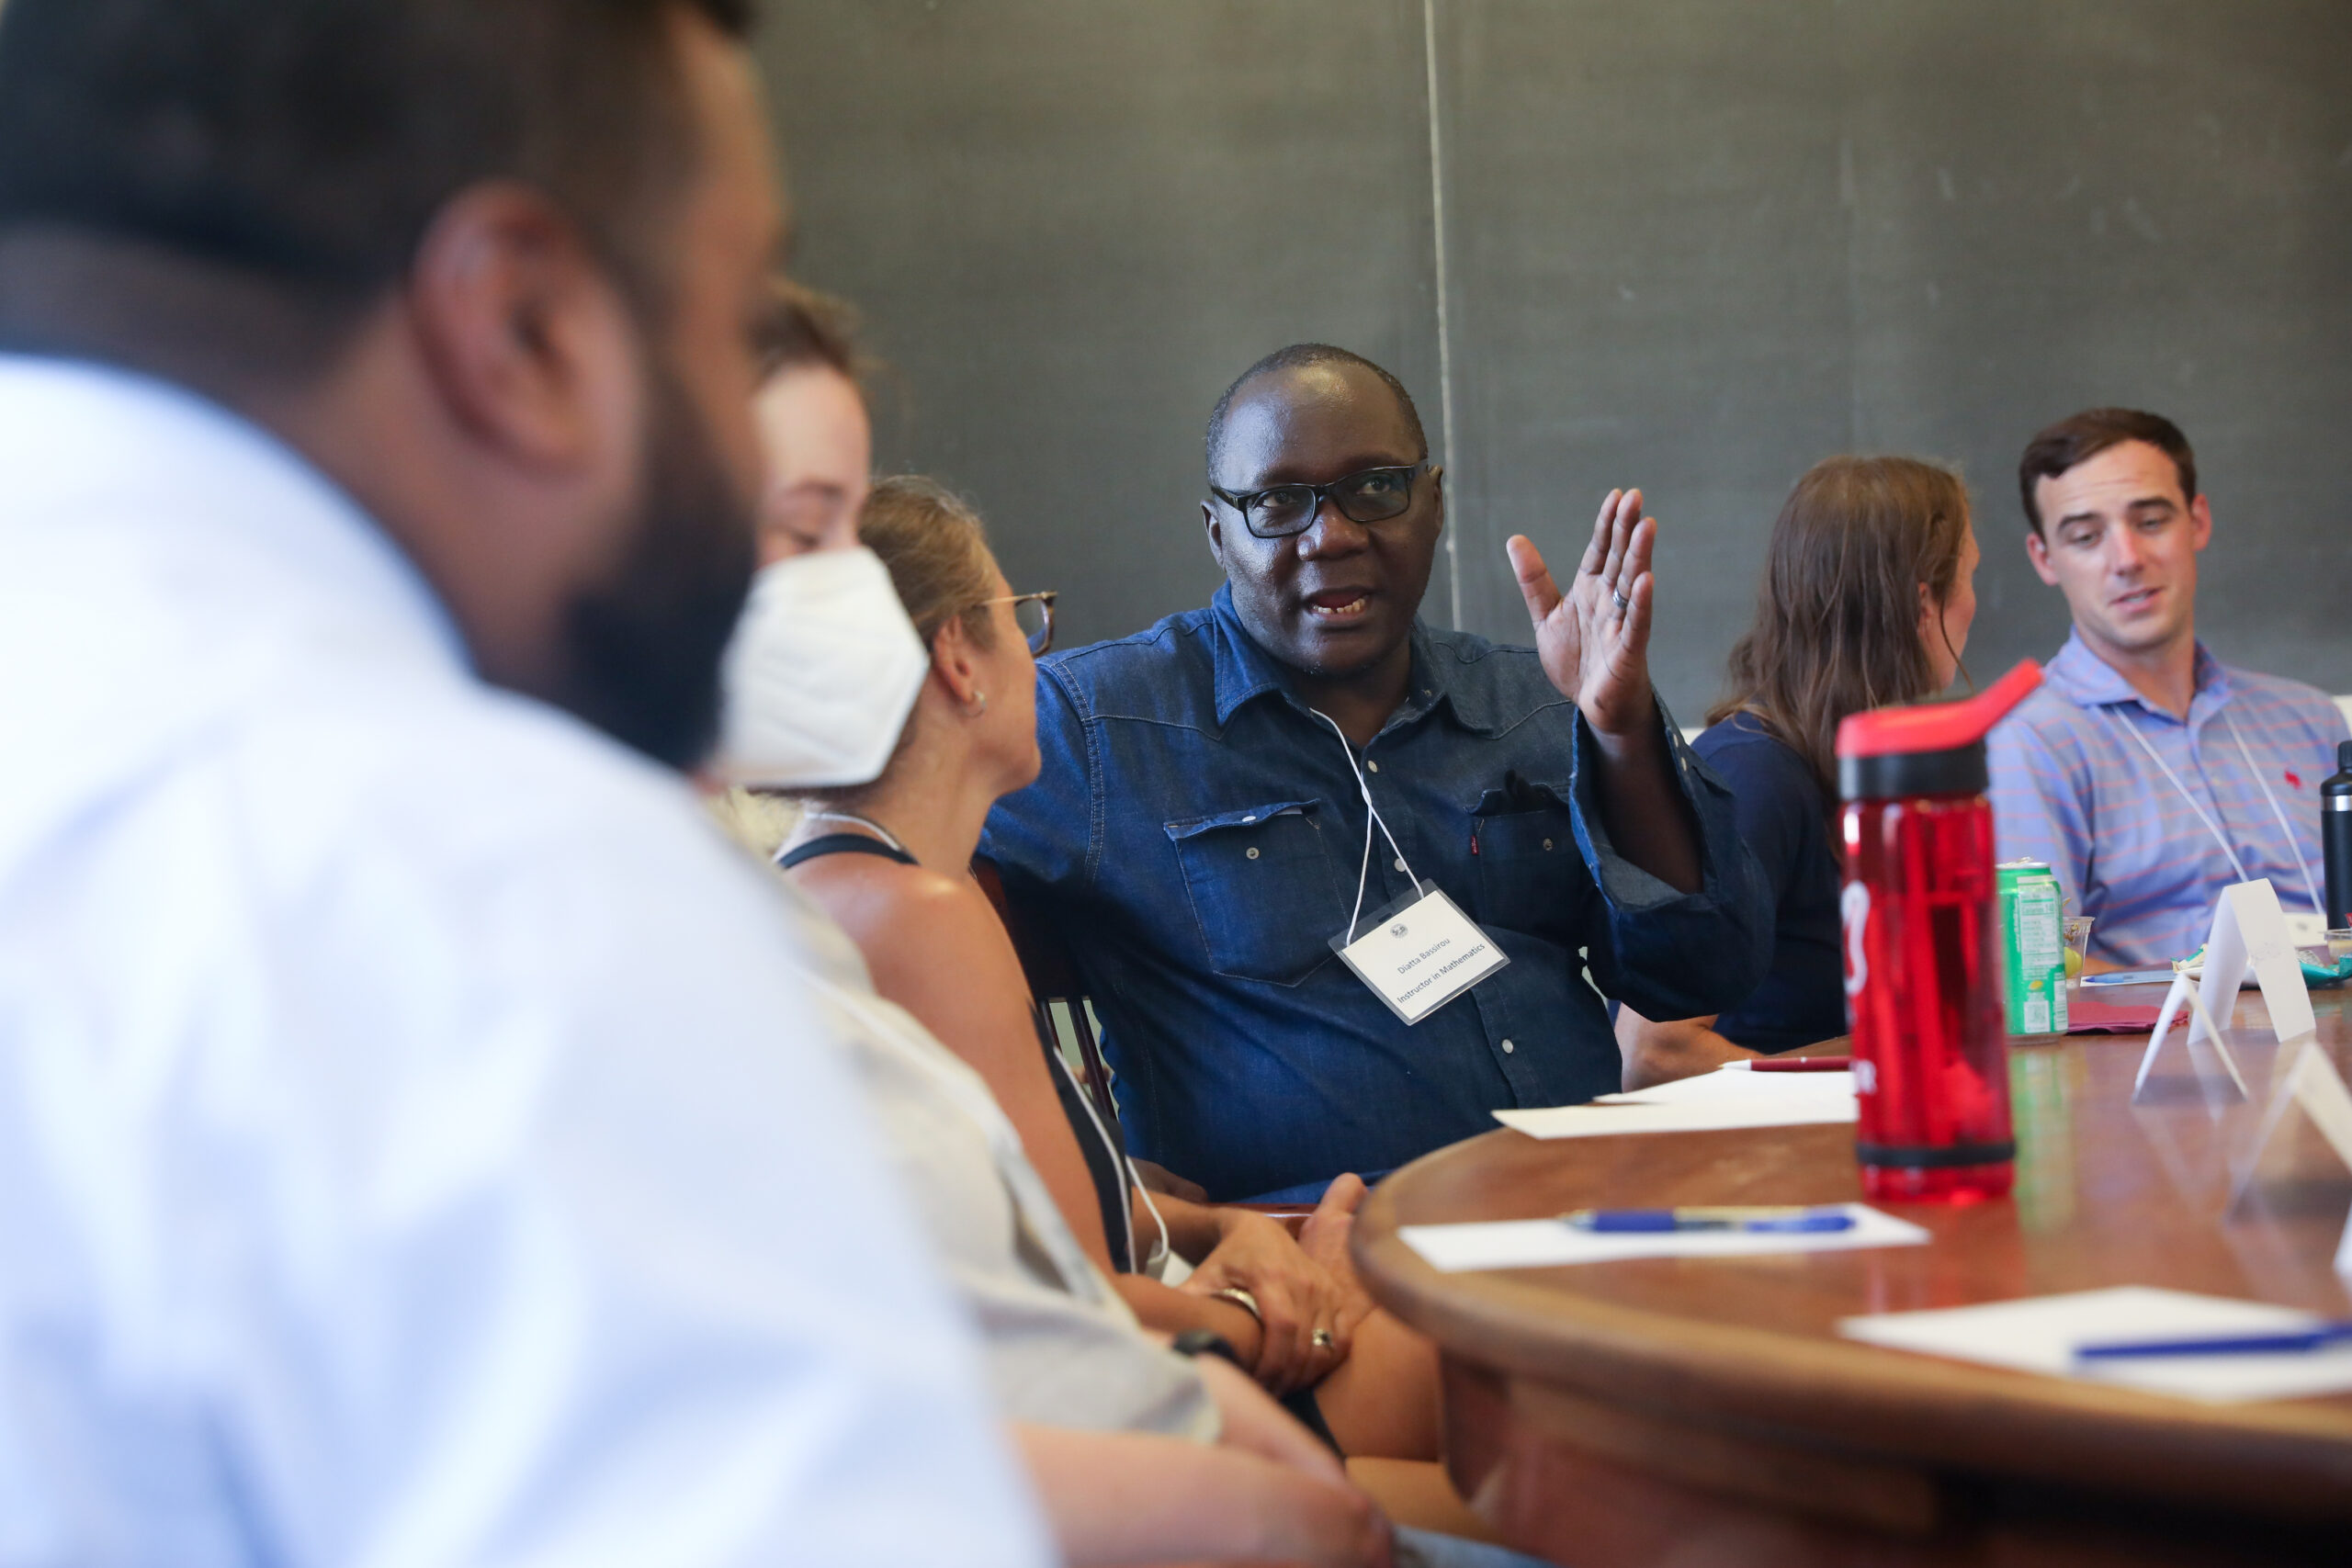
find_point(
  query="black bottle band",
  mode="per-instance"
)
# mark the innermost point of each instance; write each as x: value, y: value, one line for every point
x: 1909, y: 1158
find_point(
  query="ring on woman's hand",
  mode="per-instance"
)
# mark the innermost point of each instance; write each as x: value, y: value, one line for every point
x: 1624, y: 603
x: 1323, y: 1340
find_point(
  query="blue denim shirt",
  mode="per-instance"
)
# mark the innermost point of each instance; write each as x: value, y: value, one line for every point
x: 1195, y: 838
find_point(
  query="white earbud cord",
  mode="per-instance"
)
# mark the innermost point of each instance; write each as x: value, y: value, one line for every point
x: 1118, y: 1145
x: 2294, y: 845
x: 878, y: 830
x: 1159, y: 1260
x: 1364, y: 873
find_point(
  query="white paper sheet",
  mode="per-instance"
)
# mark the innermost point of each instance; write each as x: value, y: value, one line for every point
x: 1730, y: 1097
x: 2039, y: 1335
x: 1545, y: 1243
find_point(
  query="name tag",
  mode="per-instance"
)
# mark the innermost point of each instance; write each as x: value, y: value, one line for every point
x: 1420, y: 953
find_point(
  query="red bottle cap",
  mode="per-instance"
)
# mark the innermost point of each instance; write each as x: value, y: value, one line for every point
x: 1936, y: 726
x: 1931, y: 749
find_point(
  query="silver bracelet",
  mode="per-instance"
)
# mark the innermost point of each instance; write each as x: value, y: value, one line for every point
x: 1241, y: 1299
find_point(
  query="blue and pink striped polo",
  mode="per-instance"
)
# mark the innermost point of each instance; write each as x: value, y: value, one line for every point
x: 2145, y: 816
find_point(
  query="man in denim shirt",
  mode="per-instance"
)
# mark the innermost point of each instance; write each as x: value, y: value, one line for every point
x: 1192, y: 833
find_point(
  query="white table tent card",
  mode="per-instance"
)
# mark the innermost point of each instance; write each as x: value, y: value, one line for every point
x: 2249, y: 928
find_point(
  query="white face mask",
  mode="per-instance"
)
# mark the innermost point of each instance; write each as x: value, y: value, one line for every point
x: 823, y: 671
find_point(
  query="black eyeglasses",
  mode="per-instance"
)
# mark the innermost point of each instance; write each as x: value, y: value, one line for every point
x: 1033, y: 612
x: 1370, y: 495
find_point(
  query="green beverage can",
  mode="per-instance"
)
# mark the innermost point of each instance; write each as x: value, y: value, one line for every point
x: 2034, y: 947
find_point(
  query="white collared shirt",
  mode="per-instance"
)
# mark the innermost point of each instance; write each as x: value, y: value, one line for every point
x: 411, y: 1151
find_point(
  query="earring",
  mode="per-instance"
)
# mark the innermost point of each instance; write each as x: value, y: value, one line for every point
x: 977, y: 705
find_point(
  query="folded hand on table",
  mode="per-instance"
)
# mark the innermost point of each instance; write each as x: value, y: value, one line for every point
x: 1300, y: 1286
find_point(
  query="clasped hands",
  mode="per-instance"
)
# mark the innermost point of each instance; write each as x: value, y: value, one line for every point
x: 1300, y: 1286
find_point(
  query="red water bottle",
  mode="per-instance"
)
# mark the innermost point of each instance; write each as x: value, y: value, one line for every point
x: 1923, y: 949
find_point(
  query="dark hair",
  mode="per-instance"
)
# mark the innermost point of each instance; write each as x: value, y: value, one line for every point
x: 2084, y: 436
x: 309, y: 143
x: 1300, y: 356
x: 1837, y: 625
x: 804, y: 326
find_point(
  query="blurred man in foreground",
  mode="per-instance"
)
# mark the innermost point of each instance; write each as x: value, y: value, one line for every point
x: 409, y: 1146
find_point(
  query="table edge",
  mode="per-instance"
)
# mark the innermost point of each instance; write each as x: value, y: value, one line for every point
x: 1852, y: 1396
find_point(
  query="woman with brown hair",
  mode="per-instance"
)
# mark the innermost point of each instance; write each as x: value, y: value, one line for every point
x: 1869, y: 590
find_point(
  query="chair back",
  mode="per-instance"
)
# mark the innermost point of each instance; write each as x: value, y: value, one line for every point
x: 1060, y: 999
x: 1056, y: 991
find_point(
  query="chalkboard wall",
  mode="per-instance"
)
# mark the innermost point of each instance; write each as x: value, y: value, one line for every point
x: 1692, y: 245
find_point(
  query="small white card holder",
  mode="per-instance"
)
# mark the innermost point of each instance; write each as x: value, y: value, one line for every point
x: 1419, y: 954
x: 2248, y: 929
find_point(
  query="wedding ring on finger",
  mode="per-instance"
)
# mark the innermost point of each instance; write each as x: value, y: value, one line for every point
x: 1322, y: 1338
x: 1622, y: 603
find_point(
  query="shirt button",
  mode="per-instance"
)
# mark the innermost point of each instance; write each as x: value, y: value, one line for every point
x: 1374, y: 766
x: 1400, y: 862
x: 1253, y: 852
x: 1547, y: 843
x: 1509, y: 1047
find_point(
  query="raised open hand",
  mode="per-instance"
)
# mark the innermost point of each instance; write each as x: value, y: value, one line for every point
x: 1594, y: 637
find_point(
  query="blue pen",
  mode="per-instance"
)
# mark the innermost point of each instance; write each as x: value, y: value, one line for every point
x: 1782, y: 1221
x: 2287, y: 1342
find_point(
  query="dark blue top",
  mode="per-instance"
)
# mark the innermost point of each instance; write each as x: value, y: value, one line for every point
x: 1785, y: 816
x: 1195, y: 838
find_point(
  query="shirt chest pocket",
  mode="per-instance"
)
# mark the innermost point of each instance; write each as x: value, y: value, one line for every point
x: 1262, y: 889
x: 1528, y: 862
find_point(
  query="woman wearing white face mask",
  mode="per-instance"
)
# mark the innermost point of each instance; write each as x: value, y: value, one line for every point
x: 824, y: 663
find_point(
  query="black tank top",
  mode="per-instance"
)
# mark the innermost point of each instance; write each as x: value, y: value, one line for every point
x: 1105, y: 1162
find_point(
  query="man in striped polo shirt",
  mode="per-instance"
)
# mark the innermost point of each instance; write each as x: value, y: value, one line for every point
x: 2145, y: 772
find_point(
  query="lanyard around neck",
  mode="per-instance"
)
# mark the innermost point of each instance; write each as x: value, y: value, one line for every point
x: 2212, y: 826
x: 1364, y: 871
x: 2293, y: 845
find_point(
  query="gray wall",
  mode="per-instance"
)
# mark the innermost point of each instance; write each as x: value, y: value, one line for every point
x: 1692, y: 245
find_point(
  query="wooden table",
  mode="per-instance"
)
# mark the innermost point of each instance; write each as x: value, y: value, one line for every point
x: 1700, y: 1412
